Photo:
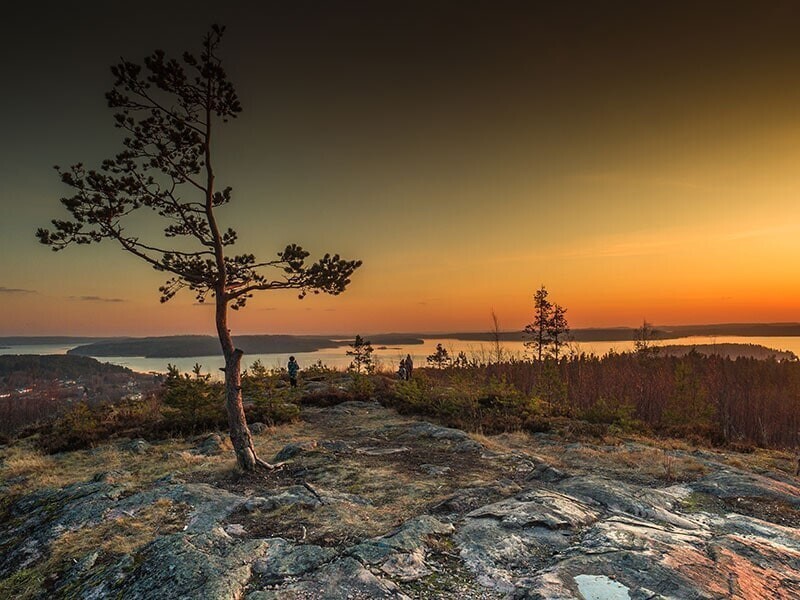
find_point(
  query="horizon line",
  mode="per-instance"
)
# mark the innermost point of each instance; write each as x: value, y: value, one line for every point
x: 417, y: 333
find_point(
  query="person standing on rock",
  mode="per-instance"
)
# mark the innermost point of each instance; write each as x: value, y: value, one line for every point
x: 293, y: 369
x: 409, y: 366
x: 401, y: 372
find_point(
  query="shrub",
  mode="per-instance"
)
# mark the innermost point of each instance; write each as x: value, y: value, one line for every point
x: 613, y: 412
x: 266, y: 396
x: 272, y: 411
x: 186, y: 404
x: 80, y: 427
x: 413, y: 395
x: 84, y: 426
x: 462, y: 401
x: 502, y: 407
x: 193, y: 402
x: 319, y: 371
x: 328, y: 397
x: 362, y: 387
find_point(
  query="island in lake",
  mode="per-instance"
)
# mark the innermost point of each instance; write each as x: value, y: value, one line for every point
x: 180, y: 346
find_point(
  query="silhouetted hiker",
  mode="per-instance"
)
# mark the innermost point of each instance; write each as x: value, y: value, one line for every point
x: 402, y: 372
x: 409, y: 366
x: 293, y: 368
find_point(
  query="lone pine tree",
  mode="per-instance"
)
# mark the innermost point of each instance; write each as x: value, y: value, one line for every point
x: 362, y: 356
x: 440, y: 357
x: 548, y: 332
x: 169, y: 109
x: 538, y: 331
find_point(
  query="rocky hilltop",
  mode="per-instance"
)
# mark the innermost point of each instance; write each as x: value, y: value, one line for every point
x: 369, y: 504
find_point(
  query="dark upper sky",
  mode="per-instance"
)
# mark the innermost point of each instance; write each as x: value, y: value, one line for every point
x: 504, y: 142
x: 383, y: 66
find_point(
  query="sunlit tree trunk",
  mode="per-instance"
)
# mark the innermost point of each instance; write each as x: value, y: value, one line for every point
x: 237, y: 422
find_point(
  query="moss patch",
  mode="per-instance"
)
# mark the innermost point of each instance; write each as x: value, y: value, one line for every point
x: 699, y: 502
x: 767, y: 509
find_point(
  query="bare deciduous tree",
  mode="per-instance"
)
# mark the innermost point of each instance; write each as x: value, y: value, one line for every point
x: 497, y: 348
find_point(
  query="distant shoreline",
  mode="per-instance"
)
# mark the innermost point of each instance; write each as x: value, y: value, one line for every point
x: 199, y: 346
x: 660, y: 332
x: 608, y: 334
x: 728, y: 350
x: 183, y: 346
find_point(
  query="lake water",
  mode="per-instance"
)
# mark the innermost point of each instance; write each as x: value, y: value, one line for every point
x: 389, y: 357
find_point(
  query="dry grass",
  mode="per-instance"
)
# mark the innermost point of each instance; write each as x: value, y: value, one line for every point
x: 762, y: 460
x: 28, y: 469
x: 122, y: 535
x: 504, y: 442
x: 640, y: 462
x: 647, y: 459
x: 23, y: 461
x: 113, y: 537
x: 394, y: 494
x: 663, y: 443
x: 32, y: 469
x: 339, y: 524
x: 758, y: 459
x: 271, y: 441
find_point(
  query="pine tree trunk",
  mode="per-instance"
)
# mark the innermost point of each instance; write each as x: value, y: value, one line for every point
x: 541, y: 341
x: 237, y: 423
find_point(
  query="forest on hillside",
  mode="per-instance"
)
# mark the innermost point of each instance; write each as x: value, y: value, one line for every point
x: 39, y: 387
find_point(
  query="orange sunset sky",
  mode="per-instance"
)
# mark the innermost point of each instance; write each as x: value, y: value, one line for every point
x: 640, y: 161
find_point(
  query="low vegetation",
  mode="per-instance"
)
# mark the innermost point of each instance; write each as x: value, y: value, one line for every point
x: 457, y: 399
x: 742, y: 403
x: 186, y: 404
x: 705, y: 399
x: 359, y: 471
